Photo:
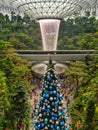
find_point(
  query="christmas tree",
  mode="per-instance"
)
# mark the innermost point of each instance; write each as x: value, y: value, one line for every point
x: 50, y: 111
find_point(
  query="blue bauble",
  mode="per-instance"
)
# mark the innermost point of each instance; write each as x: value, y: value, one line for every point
x: 47, y: 95
x: 53, y: 118
x: 50, y: 88
x: 62, y: 123
x: 51, y: 126
x: 60, y: 113
x: 43, y: 109
x: 39, y: 126
x: 60, y: 96
x: 42, y: 124
x: 56, y: 102
x: 36, y: 127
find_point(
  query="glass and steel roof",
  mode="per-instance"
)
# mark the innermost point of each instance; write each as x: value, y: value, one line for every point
x: 50, y: 8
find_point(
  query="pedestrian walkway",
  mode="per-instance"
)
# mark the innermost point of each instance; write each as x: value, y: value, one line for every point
x: 33, y: 101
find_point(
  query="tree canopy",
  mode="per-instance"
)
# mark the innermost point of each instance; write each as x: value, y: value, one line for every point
x: 80, y: 32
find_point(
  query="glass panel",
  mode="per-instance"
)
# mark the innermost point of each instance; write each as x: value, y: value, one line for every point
x: 47, y: 8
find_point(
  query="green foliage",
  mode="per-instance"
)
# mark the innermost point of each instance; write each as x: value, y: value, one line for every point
x: 14, y: 75
x: 4, y: 102
x: 90, y: 115
x: 80, y: 32
x: 77, y: 110
x: 24, y: 33
x: 2, y: 45
x: 75, y: 74
x: 85, y: 105
x: 21, y: 32
x: 20, y: 108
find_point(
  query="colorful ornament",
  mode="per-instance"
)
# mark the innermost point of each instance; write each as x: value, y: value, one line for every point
x: 60, y: 113
x: 43, y: 94
x: 50, y: 88
x: 43, y: 109
x: 46, y: 86
x: 46, y: 119
x: 46, y: 100
x: 36, y: 127
x: 54, y: 92
x: 50, y: 121
x: 48, y: 78
x: 58, y: 85
x: 53, y: 118
x: 56, y: 102
x: 57, y: 122
x: 51, y: 126
x: 51, y: 98
x: 40, y: 115
x: 48, y: 106
x: 60, y: 96
x: 39, y: 126
x: 58, y: 128
x: 50, y: 92
x: 41, y: 98
x: 42, y: 124
x: 60, y: 108
x: 54, y: 98
x: 62, y: 123
x: 47, y: 95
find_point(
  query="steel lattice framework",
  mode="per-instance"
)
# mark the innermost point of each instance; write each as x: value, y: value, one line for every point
x: 39, y: 9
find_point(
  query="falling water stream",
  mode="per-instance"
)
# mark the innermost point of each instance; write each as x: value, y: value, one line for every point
x: 49, y: 31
